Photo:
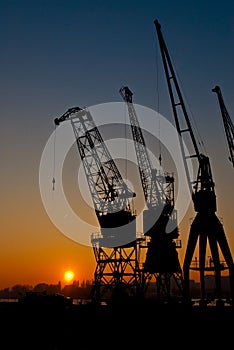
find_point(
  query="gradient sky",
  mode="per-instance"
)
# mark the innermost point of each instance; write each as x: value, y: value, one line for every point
x: 59, y: 54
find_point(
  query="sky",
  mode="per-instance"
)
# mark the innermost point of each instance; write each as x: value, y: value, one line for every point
x: 59, y: 54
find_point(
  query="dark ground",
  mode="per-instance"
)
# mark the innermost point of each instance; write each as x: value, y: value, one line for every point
x: 129, y: 326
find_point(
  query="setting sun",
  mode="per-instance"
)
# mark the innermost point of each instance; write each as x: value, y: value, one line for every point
x: 68, y: 276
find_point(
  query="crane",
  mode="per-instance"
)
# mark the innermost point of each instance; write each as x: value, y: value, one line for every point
x: 206, y: 226
x: 227, y: 122
x: 158, y: 188
x: 115, y: 248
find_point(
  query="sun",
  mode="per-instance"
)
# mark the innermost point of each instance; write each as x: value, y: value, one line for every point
x: 69, y: 275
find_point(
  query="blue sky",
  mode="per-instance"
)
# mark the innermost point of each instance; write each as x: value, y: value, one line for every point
x: 59, y: 54
x: 56, y: 54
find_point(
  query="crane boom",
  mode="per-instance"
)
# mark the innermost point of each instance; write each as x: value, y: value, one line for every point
x: 110, y: 194
x: 158, y: 187
x: 206, y: 226
x: 203, y: 181
x: 227, y: 122
x: 151, y: 180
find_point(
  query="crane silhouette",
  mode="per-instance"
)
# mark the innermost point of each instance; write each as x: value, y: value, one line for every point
x: 158, y: 188
x: 206, y: 226
x: 116, y: 247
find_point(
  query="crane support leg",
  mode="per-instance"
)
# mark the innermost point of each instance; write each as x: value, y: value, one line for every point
x: 208, y: 228
x: 192, y: 241
x: 222, y: 240
x: 216, y: 262
x: 202, y: 262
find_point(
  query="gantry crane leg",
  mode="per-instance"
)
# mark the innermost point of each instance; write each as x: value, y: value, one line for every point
x: 207, y: 229
x: 192, y: 242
